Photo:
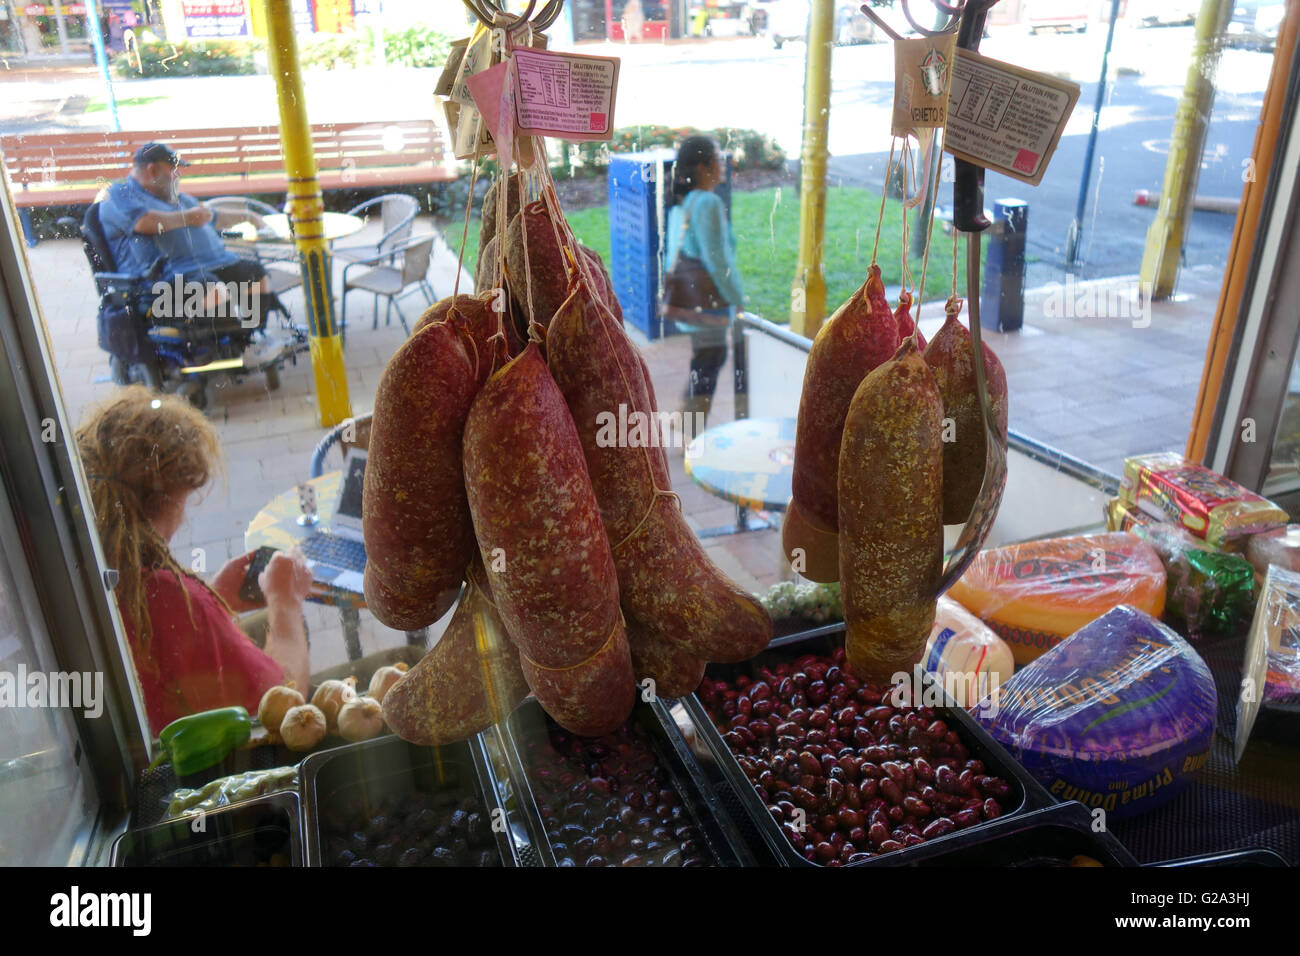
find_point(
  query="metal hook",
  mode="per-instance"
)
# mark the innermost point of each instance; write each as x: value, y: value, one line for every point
x: 954, y: 11
x: 485, y: 11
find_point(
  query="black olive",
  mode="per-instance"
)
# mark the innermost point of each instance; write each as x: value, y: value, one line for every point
x: 344, y: 858
x: 411, y: 857
x: 358, y: 843
x: 442, y: 857
x: 362, y: 863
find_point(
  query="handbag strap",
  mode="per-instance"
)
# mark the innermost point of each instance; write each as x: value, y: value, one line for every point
x: 681, y: 236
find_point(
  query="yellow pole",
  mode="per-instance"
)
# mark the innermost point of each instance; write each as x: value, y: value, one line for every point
x: 306, y: 213
x: 808, y: 295
x: 1165, y: 237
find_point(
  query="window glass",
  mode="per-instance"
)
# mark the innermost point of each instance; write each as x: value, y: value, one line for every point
x: 45, y: 797
x: 1094, y: 368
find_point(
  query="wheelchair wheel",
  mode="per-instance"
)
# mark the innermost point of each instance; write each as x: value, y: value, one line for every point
x: 195, y: 392
x: 150, y: 375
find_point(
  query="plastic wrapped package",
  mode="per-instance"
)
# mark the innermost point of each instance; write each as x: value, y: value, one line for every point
x: 1036, y: 594
x: 1207, y: 593
x: 1281, y: 546
x: 1168, y: 487
x: 1272, y: 666
x: 965, y: 655
x: 1118, y: 716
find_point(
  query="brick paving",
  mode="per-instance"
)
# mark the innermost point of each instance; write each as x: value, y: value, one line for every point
x: 1099, y: 389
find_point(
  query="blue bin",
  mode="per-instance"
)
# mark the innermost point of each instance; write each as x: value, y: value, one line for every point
x: 639, y: 190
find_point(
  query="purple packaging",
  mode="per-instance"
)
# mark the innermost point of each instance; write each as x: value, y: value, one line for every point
x: 1119, y: 715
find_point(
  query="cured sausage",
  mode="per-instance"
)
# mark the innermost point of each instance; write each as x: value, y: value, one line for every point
x: 415, y: 517
x: 468, y: 681
x: 861, y: 335
x: 667, y: 582
x: 891, y: 515
x: 548, y: 268
x: 951, y: 357
x: 591, y: 698
x: 674, y: 670
x: 477, y: 314
x: 538, y: 525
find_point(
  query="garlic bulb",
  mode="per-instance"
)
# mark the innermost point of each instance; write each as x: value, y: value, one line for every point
x: 275, y: 704
x: 332, y: 695
x: 360, y: 719
x: 303, y: 727
x: 385, y: 678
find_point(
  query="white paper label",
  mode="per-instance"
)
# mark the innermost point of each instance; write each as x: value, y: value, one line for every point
x: 565, y: 95
x: 1006, y: 118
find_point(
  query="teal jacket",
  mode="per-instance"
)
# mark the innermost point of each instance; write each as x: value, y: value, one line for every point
x: 708, y: 238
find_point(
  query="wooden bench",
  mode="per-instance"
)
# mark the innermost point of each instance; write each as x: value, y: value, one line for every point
x: 71, y: 168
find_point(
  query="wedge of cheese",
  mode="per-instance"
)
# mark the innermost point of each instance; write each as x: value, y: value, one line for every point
x: 1036, y: 594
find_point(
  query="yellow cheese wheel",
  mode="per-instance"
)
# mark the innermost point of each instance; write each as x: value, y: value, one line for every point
x: 1036, y: 594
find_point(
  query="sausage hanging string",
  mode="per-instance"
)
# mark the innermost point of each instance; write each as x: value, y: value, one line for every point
x: 469, y: 205
x: 884, y: 191
x: 929, y: 234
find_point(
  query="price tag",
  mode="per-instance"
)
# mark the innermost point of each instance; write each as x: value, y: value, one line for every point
x: 1006, y: 118
x: 566, y: 95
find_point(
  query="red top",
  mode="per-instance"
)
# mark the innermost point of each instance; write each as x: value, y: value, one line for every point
x: 199, y: 664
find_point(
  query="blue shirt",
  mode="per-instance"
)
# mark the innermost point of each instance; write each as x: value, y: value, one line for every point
x: 708, y: 238
x: 192, y: 252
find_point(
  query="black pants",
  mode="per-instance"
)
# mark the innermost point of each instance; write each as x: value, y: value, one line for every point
x: 708, y: 355
x: 239, y: 272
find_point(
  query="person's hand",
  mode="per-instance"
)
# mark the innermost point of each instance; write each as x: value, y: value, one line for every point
x: 198, y: 216
x: 230, y: 579
x: 286, y: 578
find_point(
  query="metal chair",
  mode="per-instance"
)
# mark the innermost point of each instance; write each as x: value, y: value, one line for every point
x: 390, y: 281
x: 396, y: 216
x: 263, y: 253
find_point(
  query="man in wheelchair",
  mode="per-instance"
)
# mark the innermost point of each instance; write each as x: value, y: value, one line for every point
x: 176, y: 306
x: 145, y: 218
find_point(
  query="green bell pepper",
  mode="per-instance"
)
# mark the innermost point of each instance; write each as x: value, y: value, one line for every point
x: 201, y: 740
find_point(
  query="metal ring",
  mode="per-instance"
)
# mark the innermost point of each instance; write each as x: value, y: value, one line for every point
x: 485, y: 10
x: 953, y: 11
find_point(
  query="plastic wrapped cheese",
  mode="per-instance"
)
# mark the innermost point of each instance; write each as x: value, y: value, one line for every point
x: 1036, y: 594
x: 1118, y: 716
x: 966, y: 657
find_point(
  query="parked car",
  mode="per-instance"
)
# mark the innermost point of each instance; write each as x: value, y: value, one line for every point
x: 1162, y: 13
x: 784, y: 20
x: 1057, y: 15
x: 1255, y: 24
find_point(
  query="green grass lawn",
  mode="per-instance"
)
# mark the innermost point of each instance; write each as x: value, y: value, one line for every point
x: 766, y: 223
x: 98, y: 104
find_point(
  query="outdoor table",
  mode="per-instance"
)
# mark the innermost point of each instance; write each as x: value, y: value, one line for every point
x: 749, y: 461
x: 276, y: 526
x: 277, y: 228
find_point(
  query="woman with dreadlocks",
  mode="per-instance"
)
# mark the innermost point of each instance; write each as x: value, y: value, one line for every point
x: 145, y: 454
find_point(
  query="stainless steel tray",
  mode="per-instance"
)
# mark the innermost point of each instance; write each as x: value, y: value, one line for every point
x: 249, y: 833
x: 388, y: 772
x: 718, y: 838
